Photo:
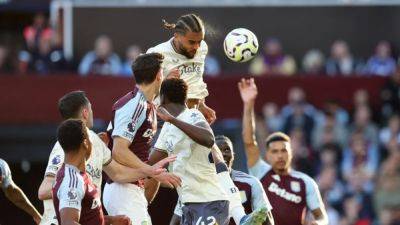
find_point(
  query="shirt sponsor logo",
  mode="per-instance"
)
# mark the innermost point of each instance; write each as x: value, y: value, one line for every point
x: 274, y: 188
x: 93, y: 172
x: 190, y: 68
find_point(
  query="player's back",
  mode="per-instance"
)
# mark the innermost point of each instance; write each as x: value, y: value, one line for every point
x: 134, y: 119
x: 193, y: 164
x: 74, y: 189
x: 292, y: 193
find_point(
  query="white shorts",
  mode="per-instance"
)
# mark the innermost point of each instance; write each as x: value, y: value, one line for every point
x: 128, y: 200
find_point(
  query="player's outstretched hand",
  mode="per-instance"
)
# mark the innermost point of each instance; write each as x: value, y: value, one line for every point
x: 104, y: 137
x: 121, y: 220
x: 37, y: 219
x: 164, y: 114
x: 208, y: 113
x: 158, y: 168
x: 169, y: 179
x: 174, y: 73
x: 248, y: 90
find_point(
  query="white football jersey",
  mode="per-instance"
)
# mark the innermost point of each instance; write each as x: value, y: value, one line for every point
x: 101, y: 156
x: 193, y: 164
x: 190, y: 70
x: 5, y: 173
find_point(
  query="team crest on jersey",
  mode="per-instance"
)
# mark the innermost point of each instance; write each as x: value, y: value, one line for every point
x: 56, y: 160
x: 295, y: 186
x: 243, y: 196
x: 276, y: 177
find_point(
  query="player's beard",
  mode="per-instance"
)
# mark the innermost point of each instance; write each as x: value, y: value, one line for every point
x: 185, y: 52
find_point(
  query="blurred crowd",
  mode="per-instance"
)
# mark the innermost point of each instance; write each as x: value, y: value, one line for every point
x: 42, y: 53
x: 353, y: 155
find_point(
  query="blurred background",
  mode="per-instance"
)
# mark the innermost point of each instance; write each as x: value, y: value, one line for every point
x: 327, y: 73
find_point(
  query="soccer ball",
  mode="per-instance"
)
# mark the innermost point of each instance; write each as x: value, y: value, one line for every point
x: 240, y: 45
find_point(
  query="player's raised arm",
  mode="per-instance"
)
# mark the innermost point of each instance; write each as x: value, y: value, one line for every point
x: 248, y: 93
x: 201, y: 132
x: 15, y: 194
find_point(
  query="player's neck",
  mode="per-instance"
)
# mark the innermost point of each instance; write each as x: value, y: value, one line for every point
x: 283, y: 172
x: 174, y: 109
x: 75, y: 160
x: 148, y: 92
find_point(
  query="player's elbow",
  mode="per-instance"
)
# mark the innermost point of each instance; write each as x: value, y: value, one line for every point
x: 42, y: 195
x: 209, y: 142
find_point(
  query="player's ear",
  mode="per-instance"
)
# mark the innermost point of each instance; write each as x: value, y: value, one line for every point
x: 85, y: 113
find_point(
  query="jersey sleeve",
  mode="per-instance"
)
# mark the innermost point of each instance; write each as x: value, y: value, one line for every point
x: 162, y: 143
x: 56, y: 160
x: 5, y: 173
x: 259, y: 169
x: 258, y: 195
x: 71, y: 191
x: 128, y: 119
x: 196, y: 117
x: 313, y: 196
x: 106, y: 152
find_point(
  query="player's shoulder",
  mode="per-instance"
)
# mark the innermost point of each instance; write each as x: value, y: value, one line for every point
x: 303, y: 176
x: 3, y: 163
x: 132, y: 103
x: 193, y: 114
x: 71, y: 178
x: 161, y: 48
x: 203, y: 46
x: 242, y: 176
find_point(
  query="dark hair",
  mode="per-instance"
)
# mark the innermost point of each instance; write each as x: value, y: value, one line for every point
x: 222, y: 138
x: 175, y: 90
x: 70, y: 134
x: 71, y: 104
x: 146, y: 67
x: 185, y: 23
x: 276, y: 136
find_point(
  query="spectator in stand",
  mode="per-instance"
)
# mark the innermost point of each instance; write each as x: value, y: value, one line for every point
x: 390, y: 132
x: 272, y: 118
x: 362, y: 122
x: 34, y: 33
x: 314, y: 62
x: 132, y: 53
x: 387, y: 193
x: 302, y: 154
x: 102, y: 60
x: 299, y: 119
x: 360, y: 163
x: 330, y: 184
x: 297, y: 95
x: 341, y: 61
x: 273, y: 60
x: 212, y: 67
x: 329, y: 131
x: 390, y: 96
x: 382, y: 63
x: 5, y: 64
x: 341, y: 116
x: 352, y: 212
